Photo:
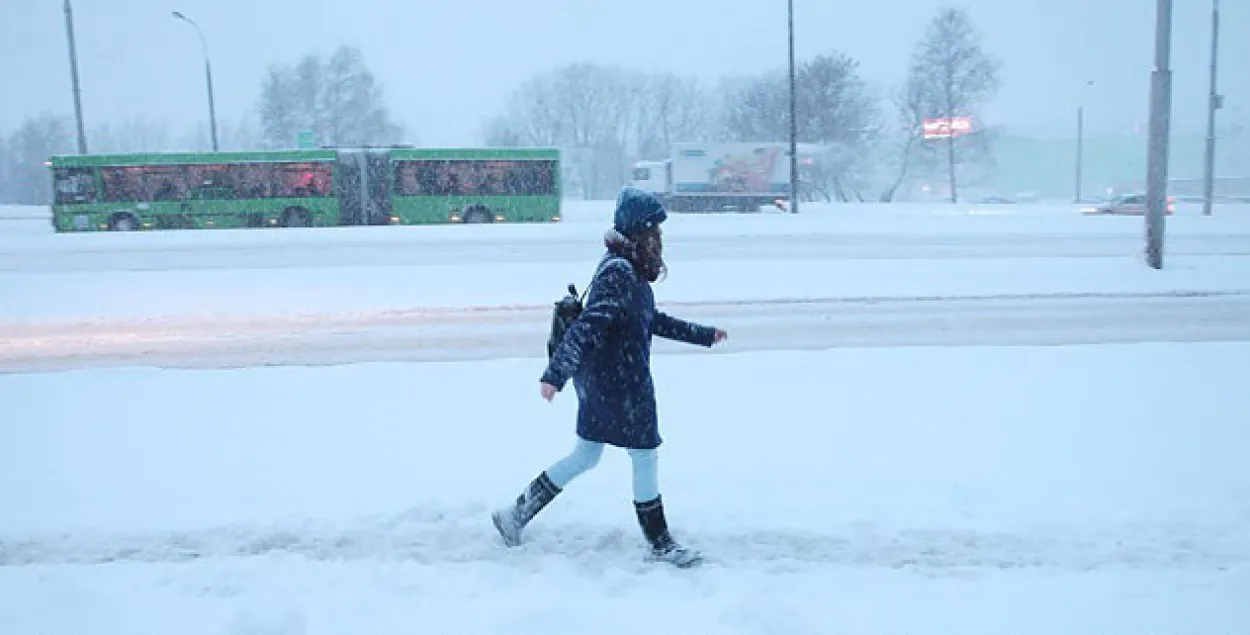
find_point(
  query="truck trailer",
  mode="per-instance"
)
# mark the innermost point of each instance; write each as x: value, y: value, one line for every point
x: 713, y: 177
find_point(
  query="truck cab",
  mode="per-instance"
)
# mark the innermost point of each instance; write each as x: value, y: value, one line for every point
x: 652, y: 176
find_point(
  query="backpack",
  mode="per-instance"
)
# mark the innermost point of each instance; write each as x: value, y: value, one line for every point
x: 566, y: 311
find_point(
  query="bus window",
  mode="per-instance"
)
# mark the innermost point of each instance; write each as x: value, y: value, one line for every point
x: 474, y: 178
x: 253, y: 180
x: 164, y: 183
x: 120, y: 185
x: 534, y: 178
x: 73, y: 185
x: 424, y: 178
x: 144, y: 183
x: 302, y: 180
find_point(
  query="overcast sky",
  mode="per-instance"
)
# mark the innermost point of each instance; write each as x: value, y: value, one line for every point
x: 446, y: 65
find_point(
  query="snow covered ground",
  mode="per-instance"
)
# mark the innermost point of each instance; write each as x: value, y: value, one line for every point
x: 971, y: 490
x: 891, y: 441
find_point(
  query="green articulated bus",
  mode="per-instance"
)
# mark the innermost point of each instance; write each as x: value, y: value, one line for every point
x: 304, y: 188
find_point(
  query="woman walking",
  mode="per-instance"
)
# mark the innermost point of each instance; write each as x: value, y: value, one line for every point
x: 606, y: 352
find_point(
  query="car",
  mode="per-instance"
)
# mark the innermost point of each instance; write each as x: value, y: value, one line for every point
x: 1127, y: 205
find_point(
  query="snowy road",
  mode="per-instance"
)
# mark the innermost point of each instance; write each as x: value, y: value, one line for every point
x: 520, y: 331
x: 384, y: 252
x: 824, y: 232
x: 372, y: 249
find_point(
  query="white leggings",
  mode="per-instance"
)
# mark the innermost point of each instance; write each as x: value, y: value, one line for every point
x: 586, y: 455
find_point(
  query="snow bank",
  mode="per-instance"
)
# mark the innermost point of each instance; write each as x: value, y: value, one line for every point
x: 24, y: 225
x: 24, y: 212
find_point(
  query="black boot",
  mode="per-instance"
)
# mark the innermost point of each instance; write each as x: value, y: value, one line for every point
x: 511, y: 520
x: 655, y: 528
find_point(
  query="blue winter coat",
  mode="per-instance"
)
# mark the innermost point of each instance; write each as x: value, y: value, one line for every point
x: 607, y: 354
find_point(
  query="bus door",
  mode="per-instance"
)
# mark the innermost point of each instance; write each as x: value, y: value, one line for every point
x: 378, y: 190
x: 362, y: 183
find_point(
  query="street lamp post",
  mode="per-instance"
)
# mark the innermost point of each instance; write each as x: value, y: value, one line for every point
x: 1160, y: 115
x: 208, y: 75
x: 1214, y: 102
x: 1080, y: 139
x: 794, y: 124
x: 73, y: 71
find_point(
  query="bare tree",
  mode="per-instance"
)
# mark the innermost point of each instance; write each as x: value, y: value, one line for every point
x: 583, y: 108
x: 754, y: 108
x: 534, y: 114
x: 835, y: 110
x: 278, y: 109
x: 951, y: 75
x: 27, y: 181
x: 352, y: 102
x: 902, y: 140
x: 593, y: 105
x: 502, y: 132
x: 670, y: 109
x: 306, y: 91
x: 239, y: 134
x: 131, y: 134
x: 602, y: 117
x: 338, y: 99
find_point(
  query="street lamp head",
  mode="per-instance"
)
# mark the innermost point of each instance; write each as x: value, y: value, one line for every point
x: 178, y: 14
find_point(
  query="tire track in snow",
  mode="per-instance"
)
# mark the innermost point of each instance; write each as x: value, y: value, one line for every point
x: 476, y: 333
x: 465, y: 536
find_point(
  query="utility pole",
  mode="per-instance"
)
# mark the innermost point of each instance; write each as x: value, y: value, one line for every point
x: 794, y: 125
x: 208, y: 75
x: 1214, y: 103
x: 1160, y: 114
x: 1080, y: 139
x: 73, y: 71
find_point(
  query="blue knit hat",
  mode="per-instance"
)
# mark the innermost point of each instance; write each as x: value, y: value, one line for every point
x: 637, y: 211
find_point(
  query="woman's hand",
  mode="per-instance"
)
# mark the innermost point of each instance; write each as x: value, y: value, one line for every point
x: 548, y: 391
x: 719, y: 337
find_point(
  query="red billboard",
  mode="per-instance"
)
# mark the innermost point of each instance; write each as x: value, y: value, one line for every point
x: 945, y: 128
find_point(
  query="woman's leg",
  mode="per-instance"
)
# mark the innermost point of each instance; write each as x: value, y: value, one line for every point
x: 650, y: 510
x: 585, y: 455
x: 646, y: 475
x: 511, y: 520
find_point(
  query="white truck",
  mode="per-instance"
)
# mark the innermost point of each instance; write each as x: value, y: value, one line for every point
x: 708, y: 177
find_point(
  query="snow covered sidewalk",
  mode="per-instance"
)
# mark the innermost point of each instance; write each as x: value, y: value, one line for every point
x: 1088, y: 489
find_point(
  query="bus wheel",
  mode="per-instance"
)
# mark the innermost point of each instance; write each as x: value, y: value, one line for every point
x: 296, y: 217
x: 123, y: 222
x: 477, y: 214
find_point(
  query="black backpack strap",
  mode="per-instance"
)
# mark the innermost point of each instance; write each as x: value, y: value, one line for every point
x: 598, y: 270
